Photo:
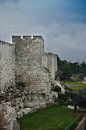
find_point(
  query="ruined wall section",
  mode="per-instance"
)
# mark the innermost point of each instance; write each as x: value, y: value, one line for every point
x: 7, y: 65
x: 29, y: 52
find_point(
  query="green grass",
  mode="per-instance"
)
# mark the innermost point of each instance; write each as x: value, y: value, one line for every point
x: 53, y: 118
x: 79, y: 87
x: 76, y: 85
x: 73, y: 82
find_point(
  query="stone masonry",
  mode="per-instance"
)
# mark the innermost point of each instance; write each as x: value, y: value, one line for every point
x: 25, y: 62
x: 26, y: 74
x: 29, y: 63
x: 50, y: 62
x: 7, y: 65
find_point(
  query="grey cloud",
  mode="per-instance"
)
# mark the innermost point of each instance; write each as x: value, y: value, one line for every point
x: 69, y: 41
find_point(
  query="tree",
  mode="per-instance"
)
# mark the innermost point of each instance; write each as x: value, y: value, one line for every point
x: 66, y: 71
x: 78, y: 98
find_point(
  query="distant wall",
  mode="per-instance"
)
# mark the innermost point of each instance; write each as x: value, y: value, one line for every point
x: 45, y: 60
x: 50, y: 62
x: 7, y: 65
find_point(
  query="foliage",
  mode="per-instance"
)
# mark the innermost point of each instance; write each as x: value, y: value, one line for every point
x: 75, y: 85
x: 63, y: 99
x: 56, y: 89
x: 78, y: 68
x: 67, y: 69
x: 62, y: 96
x: 64, y: 69
x: 78, y: 98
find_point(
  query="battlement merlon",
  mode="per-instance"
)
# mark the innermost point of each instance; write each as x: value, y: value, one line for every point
x: 38, y: 37
x: 27, y: 37
x: 33, y: 37
x: 16, y: 38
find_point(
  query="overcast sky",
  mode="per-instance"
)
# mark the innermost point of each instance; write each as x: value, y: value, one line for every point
x: 61, y: 22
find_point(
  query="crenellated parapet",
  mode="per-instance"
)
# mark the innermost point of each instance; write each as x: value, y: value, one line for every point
x: 28, y: 47
x: 27, y: 37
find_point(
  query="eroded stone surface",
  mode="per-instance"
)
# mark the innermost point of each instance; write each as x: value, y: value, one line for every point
x: 10, y: 115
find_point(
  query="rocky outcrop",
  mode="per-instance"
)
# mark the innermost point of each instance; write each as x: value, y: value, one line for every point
x: 58, y: 84
x: 21, y: 103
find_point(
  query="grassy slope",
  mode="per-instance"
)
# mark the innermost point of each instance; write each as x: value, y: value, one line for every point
x: 76, y: 85
x: 54, y: 118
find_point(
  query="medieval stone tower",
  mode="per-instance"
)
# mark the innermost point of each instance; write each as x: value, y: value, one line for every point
x: 23, y: 62
x: 29, y: 54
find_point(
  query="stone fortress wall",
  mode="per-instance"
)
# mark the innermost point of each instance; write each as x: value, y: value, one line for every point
x: 7, y: 65
x: 26, y: 74
x: 25, y: 61
x: 50, y: 62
